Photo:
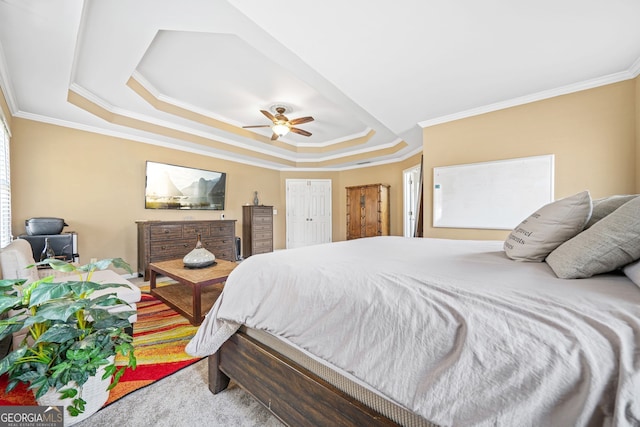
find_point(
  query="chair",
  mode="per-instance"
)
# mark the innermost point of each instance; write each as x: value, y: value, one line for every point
x: 17, y: 255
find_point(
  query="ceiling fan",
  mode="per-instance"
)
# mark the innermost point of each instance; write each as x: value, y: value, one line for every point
x: 281, y: 124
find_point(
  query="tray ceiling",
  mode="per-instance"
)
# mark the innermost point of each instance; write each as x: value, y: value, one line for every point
x: 190, y: 74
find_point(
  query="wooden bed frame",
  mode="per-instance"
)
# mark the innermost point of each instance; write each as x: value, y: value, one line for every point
x: 292, y: 393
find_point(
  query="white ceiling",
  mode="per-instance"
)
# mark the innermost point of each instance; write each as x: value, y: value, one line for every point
x: 188, y: 74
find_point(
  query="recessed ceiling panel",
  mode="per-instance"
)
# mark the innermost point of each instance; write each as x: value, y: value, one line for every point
x: 223, y: 75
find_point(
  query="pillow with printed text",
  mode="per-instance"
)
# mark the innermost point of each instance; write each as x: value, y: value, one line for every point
x: 548, y: 227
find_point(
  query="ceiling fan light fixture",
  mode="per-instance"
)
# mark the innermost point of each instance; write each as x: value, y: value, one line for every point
x: 280, y: 129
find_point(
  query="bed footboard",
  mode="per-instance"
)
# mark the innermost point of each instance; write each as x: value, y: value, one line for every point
x: 292, y: 393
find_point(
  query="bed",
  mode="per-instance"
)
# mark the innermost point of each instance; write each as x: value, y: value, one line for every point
x: 448, y: 332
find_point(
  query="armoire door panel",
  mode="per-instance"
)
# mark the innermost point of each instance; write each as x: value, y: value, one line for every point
x: 367, y: 211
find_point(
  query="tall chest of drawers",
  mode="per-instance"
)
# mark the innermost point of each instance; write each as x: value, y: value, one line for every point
x: 257, y: 230
x: 164, y: 240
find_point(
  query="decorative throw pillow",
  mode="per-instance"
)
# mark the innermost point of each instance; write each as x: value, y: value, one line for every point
x: 535, y: 237
x: 606, y: 205
x: 610, y: 243
x: 632, y: 271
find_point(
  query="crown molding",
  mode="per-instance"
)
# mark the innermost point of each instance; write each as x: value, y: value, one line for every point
x: 144, y: 140
x: 635, y: 68
x: 379, y: 147
x: 360, y: 165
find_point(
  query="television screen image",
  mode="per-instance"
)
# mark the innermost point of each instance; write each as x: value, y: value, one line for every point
x: 180, y: 187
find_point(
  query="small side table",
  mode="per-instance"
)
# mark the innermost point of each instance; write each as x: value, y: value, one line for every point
x: 197, y: 288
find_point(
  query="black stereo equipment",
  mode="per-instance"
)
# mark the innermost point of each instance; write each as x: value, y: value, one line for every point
x: 64, y: 245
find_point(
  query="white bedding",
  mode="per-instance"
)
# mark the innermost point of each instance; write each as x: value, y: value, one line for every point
x: 453, y: 330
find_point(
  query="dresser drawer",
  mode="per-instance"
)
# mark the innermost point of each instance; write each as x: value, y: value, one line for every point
x: 263, y: 235
x: 257, y: 251
x: 228, y: 255
x: 165, y: 232
x: 193, y: 230
x: 262, y: 210
x: 223, y: 249
x: 265, y: 245
x: 170, y: 249
x: 259, y: 220
x: 218, y: 242
x: 263, y: 227
x: 223, y: 230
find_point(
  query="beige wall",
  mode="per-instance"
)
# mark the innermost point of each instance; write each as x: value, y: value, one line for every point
x: 96, y: 183
x: 592, y: 134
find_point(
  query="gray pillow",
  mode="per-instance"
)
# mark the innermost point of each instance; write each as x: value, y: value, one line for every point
x: 535, y: 237
x: 610, y: 243
x: 604, y: 206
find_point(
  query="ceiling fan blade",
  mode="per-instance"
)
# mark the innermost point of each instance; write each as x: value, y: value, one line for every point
x: 256, y: 126
x: 274, y: 136
x: 301, y: 120
x: 300, y: 131
x: 269, y: 115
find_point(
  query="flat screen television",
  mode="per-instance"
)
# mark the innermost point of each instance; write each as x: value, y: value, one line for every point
x: 180, y: 187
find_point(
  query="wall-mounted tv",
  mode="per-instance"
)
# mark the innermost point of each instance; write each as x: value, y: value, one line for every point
x: 180, y: 187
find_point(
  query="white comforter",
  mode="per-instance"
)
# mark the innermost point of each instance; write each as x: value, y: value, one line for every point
x: 452, y: 330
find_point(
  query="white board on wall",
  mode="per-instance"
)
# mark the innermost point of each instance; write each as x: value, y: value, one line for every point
x: 492, y: 195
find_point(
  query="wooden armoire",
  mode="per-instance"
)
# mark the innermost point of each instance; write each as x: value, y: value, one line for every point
x: 367, y: 211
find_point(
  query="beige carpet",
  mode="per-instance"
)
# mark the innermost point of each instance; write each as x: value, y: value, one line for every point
x: 183, y: 399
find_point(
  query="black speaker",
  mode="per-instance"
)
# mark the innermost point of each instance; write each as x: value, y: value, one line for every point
x: 238, y: 244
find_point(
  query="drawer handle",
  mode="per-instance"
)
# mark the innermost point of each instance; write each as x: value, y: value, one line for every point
x: 166, y: 231
x: 163, y: 247
x: 185, y: 245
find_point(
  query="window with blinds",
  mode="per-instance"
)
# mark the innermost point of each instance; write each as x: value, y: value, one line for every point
x: 5, y: 187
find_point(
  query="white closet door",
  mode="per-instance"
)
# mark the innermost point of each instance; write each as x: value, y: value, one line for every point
x: 297, y: 213
x: 308, y: 212
x: 319, y: 228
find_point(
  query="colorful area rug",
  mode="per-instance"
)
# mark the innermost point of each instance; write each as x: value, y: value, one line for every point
x: 159, y: 338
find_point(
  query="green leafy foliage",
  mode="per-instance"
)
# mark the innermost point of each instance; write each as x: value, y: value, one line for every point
x: 70, y: 335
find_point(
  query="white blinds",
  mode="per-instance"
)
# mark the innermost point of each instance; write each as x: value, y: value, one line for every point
x: 5, y: 187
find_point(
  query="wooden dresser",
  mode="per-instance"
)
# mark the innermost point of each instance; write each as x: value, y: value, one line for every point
x: 257, y: 230
x: 165, y: 240
x: 367, y: 211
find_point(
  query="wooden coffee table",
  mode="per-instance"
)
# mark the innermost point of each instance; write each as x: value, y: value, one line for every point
x: 197, y: 288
